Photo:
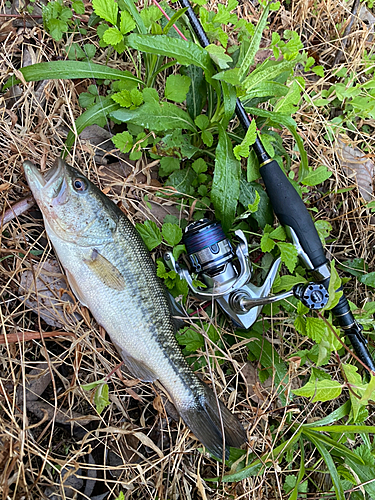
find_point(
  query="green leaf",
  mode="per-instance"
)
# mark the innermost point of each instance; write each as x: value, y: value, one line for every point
x: 112, y: 36
x: 226, y: 182
x: 150, y: 234
x: 317, y: 176
x: 324, y: 228
x: 288, y: 122
x: 190, y: 338
x: 253, y: 207
x: 199, y: 166
x: 176, y: 16
x: 321, y: 390
x: 90, y: 117
x: 101, y: 398
x: 202, y: 122
x: 168, y: 164
x: 248, y: 191
x: 266, y: 243
x: 157, y: 116
x: 92, y: 385
x: 182, y: 181
x: 288, y: 104
x: 289, y: 255
x: 267, y: 74
x: 287, y: 282
x: 368, y: 279
x: 278, y: 234
x: 126, y: 22
x: 183, y: 51
x: 64, y: 70
x: 172, y: 233
x: 176, y: 87
x: 318, y: 70
x: 229, y: 76
x: 78, y: 6
x: 355, y: 380
x: 207, y: 138
x: 333, y: 288
x: 230, y: 99
x: 243, y: 149
x: 218, y: 55
x: 197, y: 95
x: 150, y: 15
x: 135, y: 15
x: 123, y: 98
x: 106, y: 9
x: 254, y: 44
x: 330, y: 465
x: 86, y: 100
x: 123, y: 141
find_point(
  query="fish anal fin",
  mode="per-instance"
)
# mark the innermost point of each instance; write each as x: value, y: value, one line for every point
x: 74, y: 286
x: 105, y: 271
x: 138, y: 368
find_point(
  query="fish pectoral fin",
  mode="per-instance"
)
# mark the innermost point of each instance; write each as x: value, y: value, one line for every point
x: 105, y: 271
x: 74, y: 286
x: 138, y: 368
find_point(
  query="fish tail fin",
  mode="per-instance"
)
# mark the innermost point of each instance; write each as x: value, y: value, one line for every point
x: 203, y: 419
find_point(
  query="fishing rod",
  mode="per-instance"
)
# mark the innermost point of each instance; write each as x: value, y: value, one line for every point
x: 294, y: 216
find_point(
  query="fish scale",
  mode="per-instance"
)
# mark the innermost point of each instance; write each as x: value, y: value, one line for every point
x: 112, y: 273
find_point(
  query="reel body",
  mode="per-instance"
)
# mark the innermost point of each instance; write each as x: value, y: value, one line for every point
x: 226, y: 273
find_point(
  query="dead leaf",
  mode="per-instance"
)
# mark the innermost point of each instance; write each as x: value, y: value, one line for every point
x: 257, y: 392
x: 368, y: 18
x: 355, y: 164
x: 49, y: 299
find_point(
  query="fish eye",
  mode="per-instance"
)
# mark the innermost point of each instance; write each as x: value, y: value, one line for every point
x: 79, y: 185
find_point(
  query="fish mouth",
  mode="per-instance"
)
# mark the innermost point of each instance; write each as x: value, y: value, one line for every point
x: 38, y: 180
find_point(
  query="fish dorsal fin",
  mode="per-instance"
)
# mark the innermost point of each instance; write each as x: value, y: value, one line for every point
x: 74, y: 286
x: 105, y: 271
x: 138, y: 368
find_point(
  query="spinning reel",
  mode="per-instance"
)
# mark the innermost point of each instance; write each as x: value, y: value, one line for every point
x: 226, y: 273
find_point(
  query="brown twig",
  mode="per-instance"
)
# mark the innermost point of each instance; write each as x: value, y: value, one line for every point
x: 345, y: 35
x: 11, y: 338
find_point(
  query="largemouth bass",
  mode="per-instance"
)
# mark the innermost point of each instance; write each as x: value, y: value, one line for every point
x: 112, y: 273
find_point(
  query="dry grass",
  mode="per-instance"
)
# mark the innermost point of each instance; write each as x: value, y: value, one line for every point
x: 137, y: 445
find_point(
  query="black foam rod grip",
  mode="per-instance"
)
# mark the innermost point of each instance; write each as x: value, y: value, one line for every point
x: 291, y: 211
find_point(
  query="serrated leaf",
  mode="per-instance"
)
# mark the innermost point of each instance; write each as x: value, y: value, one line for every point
x: 176, y: 87
x: 112, y: 36
x: 106, y: 9
x: 172, y: 233
x: 266, y: 243
x: 157, y: 116
x: 150, y: 234
x: 243, y: 149
x: 126, y: 22
x: 78, y: 6
x: 278, y: 234
x: 123, y: 141
x: 324, y: 228
x: 317, y: 176
x: 316, y: 329
x: 184, y: 51
x: 199, y: 166
x: 321, y: 390
x: 168, y: 164
x: 226, y: 182
x: 289, y: 255
x: 123, y: 98
x: 267, y: 74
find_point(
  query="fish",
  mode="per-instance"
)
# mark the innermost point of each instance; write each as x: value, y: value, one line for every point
x: 111, y: 272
